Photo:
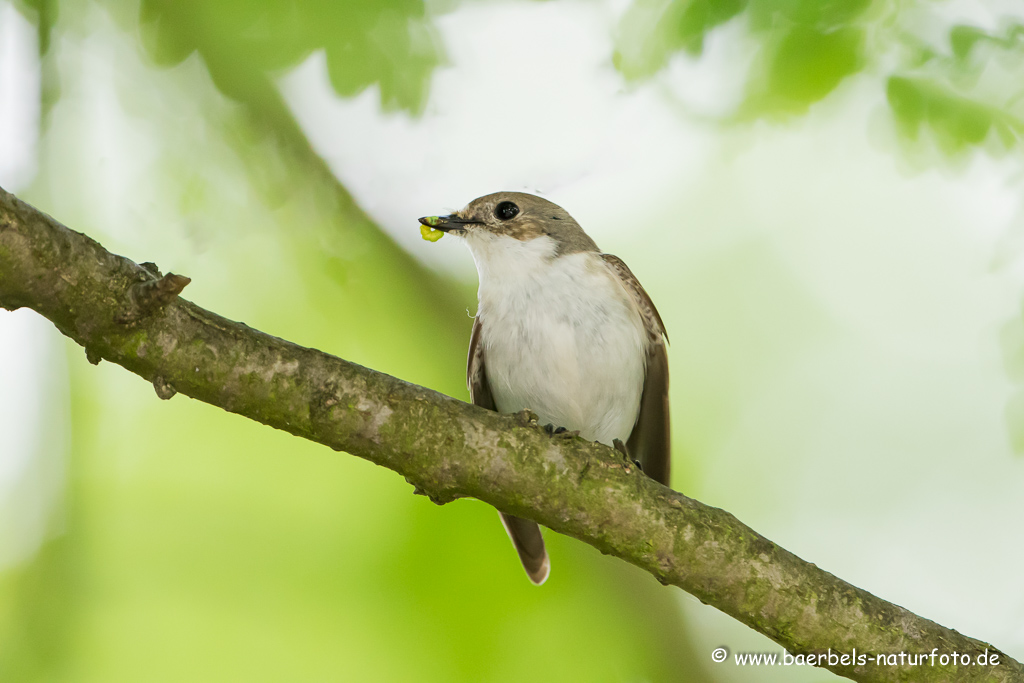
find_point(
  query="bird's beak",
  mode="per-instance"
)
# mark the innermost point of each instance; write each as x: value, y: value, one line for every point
x: 447, y: 223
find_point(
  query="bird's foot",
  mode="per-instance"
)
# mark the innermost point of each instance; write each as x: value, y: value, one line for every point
x: 621, y: 448
x: 560, y: 432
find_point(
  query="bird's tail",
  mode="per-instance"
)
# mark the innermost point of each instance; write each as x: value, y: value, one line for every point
x: 529, y: 544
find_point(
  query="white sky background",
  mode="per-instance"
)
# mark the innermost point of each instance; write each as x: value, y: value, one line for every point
x: 903, y: 398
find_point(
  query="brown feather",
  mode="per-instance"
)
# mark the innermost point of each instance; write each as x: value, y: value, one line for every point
x: 651, y: 439
x: 476, y: 373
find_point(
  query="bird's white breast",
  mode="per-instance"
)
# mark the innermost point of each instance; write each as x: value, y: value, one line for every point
x: 561, y: 337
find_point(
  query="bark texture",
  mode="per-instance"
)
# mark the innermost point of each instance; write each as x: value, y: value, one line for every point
x: 130, y: 314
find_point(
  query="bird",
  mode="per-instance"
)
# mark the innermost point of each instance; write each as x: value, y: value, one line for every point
x: 565, y: 331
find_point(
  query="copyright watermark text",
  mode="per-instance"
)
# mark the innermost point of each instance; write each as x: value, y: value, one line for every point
x: 855, y: 658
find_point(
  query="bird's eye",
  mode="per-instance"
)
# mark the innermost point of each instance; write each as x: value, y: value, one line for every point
x: 506, y: 211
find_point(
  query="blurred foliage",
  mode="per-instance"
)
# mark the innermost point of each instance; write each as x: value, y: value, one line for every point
x: 967, y: 93
x: 43, y: 13
x: 366, y: 42
x: 973, y: 95
x: 955, y: 121
x: 808, y: 45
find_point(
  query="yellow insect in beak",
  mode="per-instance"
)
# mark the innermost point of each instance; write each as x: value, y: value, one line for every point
x: 430, y: 234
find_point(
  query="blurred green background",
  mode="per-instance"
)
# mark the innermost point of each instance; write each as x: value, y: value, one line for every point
x: 824, y: 198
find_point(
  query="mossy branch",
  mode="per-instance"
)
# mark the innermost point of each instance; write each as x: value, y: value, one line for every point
x: 130, y: 314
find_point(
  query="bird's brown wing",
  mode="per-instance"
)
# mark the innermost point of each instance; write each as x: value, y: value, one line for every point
x: 651, y: 439
x: 476, y: 372
x: 525, y: 534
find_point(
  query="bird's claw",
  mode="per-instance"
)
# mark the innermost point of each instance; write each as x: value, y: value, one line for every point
x: 621, y: 448
x: 561, y: 432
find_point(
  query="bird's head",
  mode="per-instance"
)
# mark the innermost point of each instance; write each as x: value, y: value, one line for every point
x: 506, y: 221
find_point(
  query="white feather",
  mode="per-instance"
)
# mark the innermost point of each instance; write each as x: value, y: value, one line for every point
x: 561, y: 336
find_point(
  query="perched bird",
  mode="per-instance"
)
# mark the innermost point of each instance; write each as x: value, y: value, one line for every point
x: 564, y: 331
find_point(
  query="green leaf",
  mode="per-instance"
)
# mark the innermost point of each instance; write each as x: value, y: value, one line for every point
x: 700, y: 16
x: 804, y: 66
x: 385, y: 42
x: 963, y: 39
x: 956, y: 122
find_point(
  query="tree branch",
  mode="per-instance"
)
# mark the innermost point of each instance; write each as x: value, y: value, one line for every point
x: 130, y: 315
